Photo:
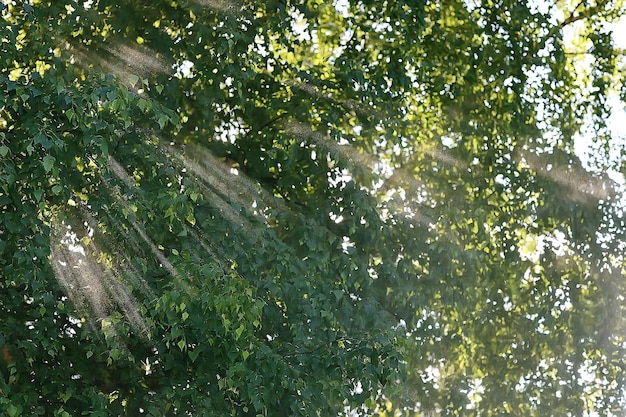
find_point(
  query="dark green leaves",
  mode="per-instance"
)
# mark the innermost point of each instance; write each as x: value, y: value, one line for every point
x: 357, y: 206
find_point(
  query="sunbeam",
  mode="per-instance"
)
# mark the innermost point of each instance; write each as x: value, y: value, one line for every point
x: 96, y: 285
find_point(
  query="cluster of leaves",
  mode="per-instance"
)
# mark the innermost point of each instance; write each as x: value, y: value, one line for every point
x: 284, y: 208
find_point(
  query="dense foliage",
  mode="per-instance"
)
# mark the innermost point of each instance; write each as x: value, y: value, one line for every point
x: 310, y: 208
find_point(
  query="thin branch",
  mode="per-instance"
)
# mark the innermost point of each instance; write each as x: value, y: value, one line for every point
x: 618, y: 52
x: 572, y: 18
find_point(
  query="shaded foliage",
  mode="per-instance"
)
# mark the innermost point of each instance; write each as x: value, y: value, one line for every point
x: 228, y: 208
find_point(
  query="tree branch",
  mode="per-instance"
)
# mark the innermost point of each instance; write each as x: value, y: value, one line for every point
x: 573, y: 17
x: 582, y: 15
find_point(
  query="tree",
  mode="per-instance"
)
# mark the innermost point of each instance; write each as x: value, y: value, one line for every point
x: 232, y: 208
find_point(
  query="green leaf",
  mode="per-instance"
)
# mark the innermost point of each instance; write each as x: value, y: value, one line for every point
x: 104, y: 147
x: 13, y: 411
x: 133, y: 79
x: 239, y: 331
x: 70, y: 114
x: 144, y: 105
x: 41, y: 139
x: 48, y: 162
x: 65, y: 395
x: 116, y: 104
x: 38, y: 193
x: 4, y: 150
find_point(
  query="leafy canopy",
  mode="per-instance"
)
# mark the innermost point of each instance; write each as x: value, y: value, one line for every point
x: 271, y: 208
